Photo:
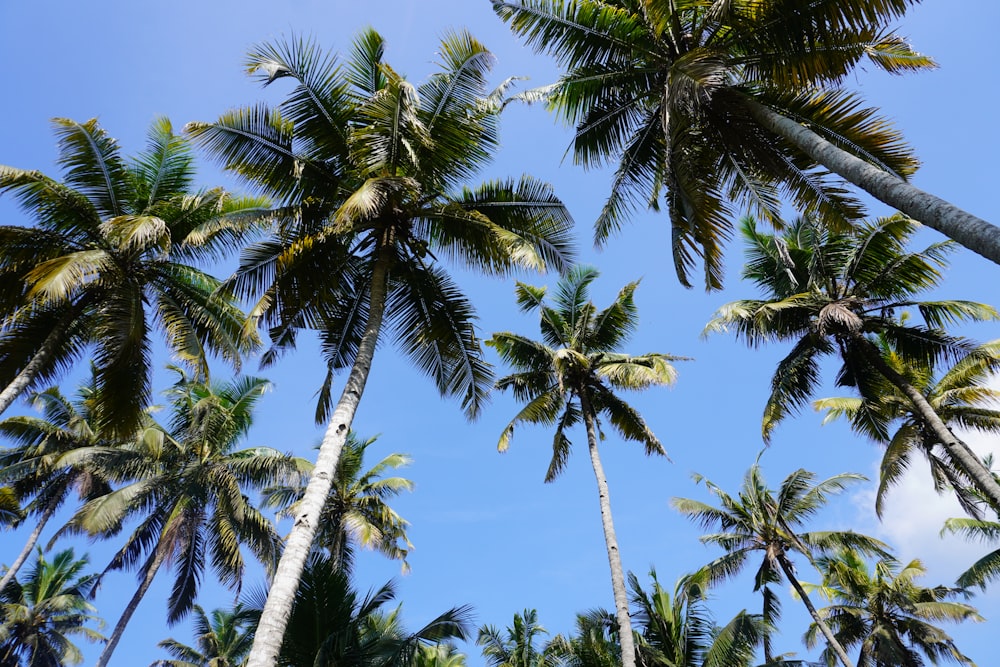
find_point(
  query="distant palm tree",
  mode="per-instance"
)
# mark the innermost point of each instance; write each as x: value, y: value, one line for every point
x: 438, y: 655
x: 517, y: 646
x: 676, y: 629
x: 371, y: 173
x: 40, y: 614
x: 357, y: 510
x: 837, y: 293
x: 594, y: 644
x: 570, y: 377
x: 111, y: 258
x: 187, y: 485
x: 222, y: 640
x: 886, y: 613
x: 35, y: 466
x: 960, y: 395
x: 760, y: 521
x: 332, y: 626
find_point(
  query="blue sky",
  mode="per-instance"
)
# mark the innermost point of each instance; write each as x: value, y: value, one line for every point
x: 487, y: 531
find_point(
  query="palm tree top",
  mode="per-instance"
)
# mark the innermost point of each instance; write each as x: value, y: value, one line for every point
x: 578, y: 357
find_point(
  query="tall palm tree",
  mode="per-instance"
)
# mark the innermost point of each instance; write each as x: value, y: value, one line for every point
x: 570, y: 377
x: 961, y: 397
x: 356, y: 511
x: 886, y: 613
x: 704, y: 104
x: 223, y: 640
x: 676, y: 630
x: 835, y: 293
x: 40, y: 615
x: 187, y: 484
x: 109, y: 259
x: 34, y: 465
x: 759, y: 520
x: 370, y: 170
x: 332, y: 625
x: 517, y: 646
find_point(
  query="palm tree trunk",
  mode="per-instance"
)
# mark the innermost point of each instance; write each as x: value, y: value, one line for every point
x: 959, y: 452
x: 831, y: 640
x: 614, y: 558
x: 159, y: 556
x: 32, y: 540
x: 972, y: 232
x: 28, y: 374
x: 278, y: 607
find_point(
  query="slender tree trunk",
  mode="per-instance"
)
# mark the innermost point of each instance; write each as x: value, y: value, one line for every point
x: 959, y: 452
x: 32, y: 540
x: 972, y: 232
x: 158, y: 559
x: 614, y: 558
x: 28, y: 374
x: 831, y: 640
x: 278, y: 608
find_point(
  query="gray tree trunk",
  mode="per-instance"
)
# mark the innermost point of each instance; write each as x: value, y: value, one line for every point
x: 963, y: 457
x: 972, y: 232
x: 32, y: 540
x: 831, y: 640
x: 133, y: 604
x: 28, y: 374
x: 280, y: 597
x: 610, y: 538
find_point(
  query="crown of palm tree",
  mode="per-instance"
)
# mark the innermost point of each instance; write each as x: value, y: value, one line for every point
x: 223, y: 639
x: 667, y: 92
x: 109, y: 259
x: 885, y: 612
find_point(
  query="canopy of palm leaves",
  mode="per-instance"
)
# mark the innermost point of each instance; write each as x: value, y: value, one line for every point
x: 517, y: 645
x: 42, y: 613
x: 186, y: 483
x: 759, y: 522
x: 834, y: 293
x: 110, y: 258
x: 579, y: 356
x: 371, y: 169
x: 666, y: 91
x: 222, y: 639
x: 357, y: 510
x: 887, y: 614
x: 331, y: 625
x: 677, y: 630
x: 960, y: 395
x: 987, y: 568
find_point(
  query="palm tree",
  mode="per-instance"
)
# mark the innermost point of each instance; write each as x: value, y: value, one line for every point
x: 759, y: 520
x: 34, y: 466
x: 959, y: 395
x: 187, y: 484
x: 40, y: 615
x: 223, y: 640
x: 356, y: 511
x: 595, y: 643
x: 516, y: 646
x: 836, y: 293
x: 370, y: 171
x: 677, y: 630
x: 987, y: 568
x: 710, y: 104
x: 332, y: 625
x: 570, y: 376
x: 110, y: 259
x: 438, y: 655
x: 886, y: 613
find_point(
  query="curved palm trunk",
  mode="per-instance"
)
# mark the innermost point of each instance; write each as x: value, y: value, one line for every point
x: 614, y: 558
x: 831, y: 640
x: 158, y: 559
x: 28, y: 374
x: 32, y: 540
x: 972, y: 232
x: 959, y: 452
x: 274, y: 617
